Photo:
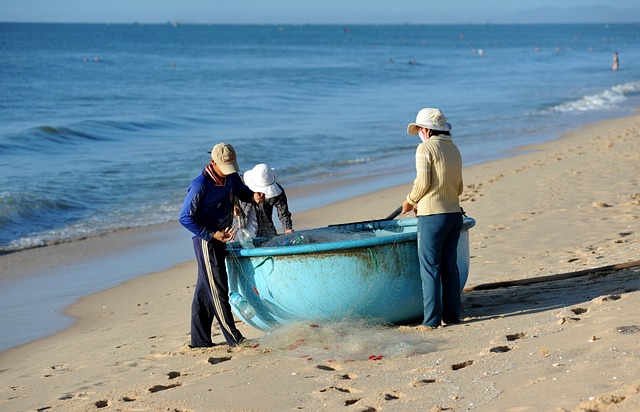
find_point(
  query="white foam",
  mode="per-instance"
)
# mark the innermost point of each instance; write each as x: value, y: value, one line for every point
x: 606, y: 99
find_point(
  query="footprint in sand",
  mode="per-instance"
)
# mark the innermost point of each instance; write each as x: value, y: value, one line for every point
x: 461, y: 365
x: 500, y: 349
x: 392, y: 396
x: 516, y: 336
x: 422, y: 382
x: 604, y: 299
x: 600, y: 204
x: 579, y: 311
x: 158, y: 388
x: 628, y: 330
x: 350, y: 402
x: 215, y: 361
x: 339, y: 389
x: 70, y: 396
x: 62, y: 368
x: 569, y: 319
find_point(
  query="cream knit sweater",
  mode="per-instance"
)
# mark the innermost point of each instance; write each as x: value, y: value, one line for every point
x: 438, y: 183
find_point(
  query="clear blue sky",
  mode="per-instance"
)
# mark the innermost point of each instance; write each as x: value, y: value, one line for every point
x: 319, y: 11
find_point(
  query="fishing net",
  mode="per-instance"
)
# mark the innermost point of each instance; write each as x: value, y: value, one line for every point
x: 324, y: 235
x: 345, y: 340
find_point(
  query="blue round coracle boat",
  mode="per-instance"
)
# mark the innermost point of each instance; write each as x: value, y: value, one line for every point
x: 366, y: 270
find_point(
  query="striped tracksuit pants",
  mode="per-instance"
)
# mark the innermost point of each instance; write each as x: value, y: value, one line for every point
x: 211, y: 297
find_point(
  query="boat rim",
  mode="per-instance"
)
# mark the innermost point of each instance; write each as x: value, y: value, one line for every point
x: 234, y: 249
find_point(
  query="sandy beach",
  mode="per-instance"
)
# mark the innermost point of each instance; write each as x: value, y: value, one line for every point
x: 561, y: 207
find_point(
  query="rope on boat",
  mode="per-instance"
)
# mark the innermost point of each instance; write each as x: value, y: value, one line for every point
x: 373, y: 258
x: 550, y: 278
x: 263, y: 262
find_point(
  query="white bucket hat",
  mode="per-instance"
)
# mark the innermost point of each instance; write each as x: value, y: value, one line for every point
x: 429, y: 118
x: 262, y: 178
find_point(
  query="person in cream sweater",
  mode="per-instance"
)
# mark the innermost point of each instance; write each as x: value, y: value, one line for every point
x: 434, y: 198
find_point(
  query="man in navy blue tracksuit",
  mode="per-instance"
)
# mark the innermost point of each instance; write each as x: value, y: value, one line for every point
x: 207, y: 213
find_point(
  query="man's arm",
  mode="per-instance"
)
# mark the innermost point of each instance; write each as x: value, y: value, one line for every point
x: 188, y: 212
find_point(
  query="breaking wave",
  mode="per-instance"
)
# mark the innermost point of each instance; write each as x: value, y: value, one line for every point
x: 607, y: 99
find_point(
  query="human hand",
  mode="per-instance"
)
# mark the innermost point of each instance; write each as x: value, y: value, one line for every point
x: 407, y: 207
x: 288, y: 231
x: 258, y: 197
x: 224, y: 236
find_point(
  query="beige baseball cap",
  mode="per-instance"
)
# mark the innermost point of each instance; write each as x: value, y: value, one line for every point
x: 225, y: 157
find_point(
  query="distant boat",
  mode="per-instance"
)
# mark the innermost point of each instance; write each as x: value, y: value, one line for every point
x: 365, y: 270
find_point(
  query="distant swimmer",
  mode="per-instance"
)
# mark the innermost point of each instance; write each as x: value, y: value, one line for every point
x: 480, y: 52
x: 413, y: 62
x: 615, y: 64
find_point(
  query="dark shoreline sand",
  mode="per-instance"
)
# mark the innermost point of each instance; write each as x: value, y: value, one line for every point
x: 568, y: 205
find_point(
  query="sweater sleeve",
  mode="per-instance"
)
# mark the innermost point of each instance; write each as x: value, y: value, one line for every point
x: 282, y: 206
x: 241, y: 190
x: 189, y: 210
x: 423, y: 176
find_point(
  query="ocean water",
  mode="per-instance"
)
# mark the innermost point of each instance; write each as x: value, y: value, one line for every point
x: 102, y: 127
x: 91, y: 146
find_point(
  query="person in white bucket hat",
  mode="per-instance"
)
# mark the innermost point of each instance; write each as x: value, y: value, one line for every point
x: 257, y: 219
x: 432, y: 119
x: 434, y: 198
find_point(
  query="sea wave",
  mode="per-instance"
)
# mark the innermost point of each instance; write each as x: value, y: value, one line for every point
x: 21, y: 215
x: 347, y: 162
x: 320, y: 169
x: 607, y: 99
x: 86, y: 131
x: 27, y: 222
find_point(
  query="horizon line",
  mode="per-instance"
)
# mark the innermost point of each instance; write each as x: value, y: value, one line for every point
x: 182, y: 23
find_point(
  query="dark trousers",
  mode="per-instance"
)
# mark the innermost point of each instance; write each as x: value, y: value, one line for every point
x: 211, y: 297
x: 438, y: 237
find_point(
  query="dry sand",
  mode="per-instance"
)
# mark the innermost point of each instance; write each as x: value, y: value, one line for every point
x: 566, y: 345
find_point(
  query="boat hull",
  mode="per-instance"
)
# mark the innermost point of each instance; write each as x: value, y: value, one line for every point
x: 371, y: 273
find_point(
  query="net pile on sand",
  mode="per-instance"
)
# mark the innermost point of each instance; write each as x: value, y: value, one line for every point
x: 345, y: 340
